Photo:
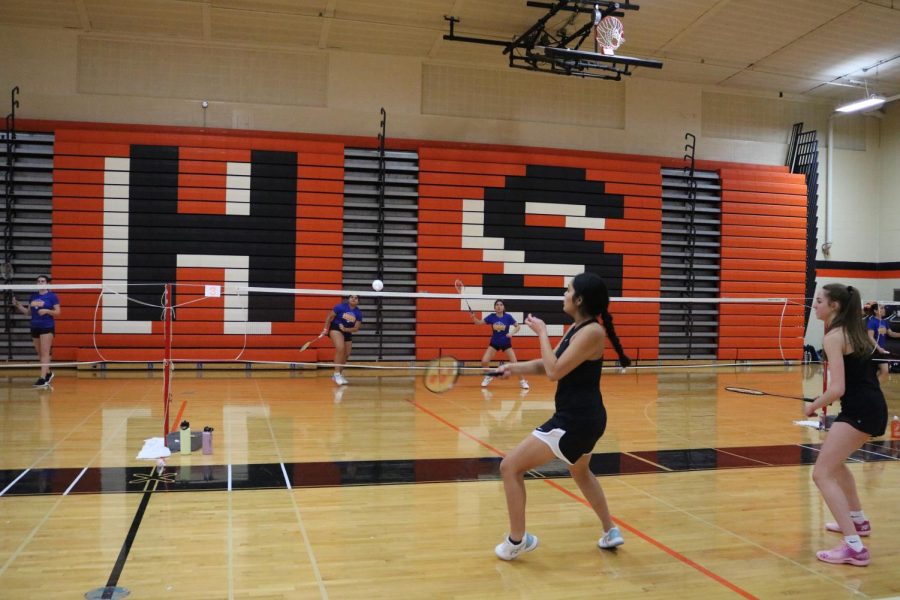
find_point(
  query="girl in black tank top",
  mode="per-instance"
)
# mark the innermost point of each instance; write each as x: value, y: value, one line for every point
x: 853, y: 381
x: 578, y: 393
x: 579, y: 419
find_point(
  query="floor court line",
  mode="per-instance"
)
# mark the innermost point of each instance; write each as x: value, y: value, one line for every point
x: 647, y: 538
x: 304, y: 534
x: 15, y: 481
x: 654, y: 542
x: 52, y: 448
x: 15, y: 555
x: 737, y: 535
x: 762, y: 462
x: 649, y: 462
x: 75, y: 481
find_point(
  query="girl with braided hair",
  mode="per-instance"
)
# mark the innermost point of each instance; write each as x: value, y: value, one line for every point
x: 580, y: 418
x: 852, y: 378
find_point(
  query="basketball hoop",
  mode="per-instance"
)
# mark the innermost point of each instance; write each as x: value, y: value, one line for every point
x: 609, y: 34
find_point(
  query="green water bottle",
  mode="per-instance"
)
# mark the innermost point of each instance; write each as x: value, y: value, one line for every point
x: 185, y: 437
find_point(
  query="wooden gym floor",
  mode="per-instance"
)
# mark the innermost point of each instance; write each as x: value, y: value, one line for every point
x: 383, y: 490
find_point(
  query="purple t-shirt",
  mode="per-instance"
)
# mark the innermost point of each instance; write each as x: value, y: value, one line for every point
x: 879, y: 327
x: 42, y: 321
x: 500, y: 327
x: 346, y: 316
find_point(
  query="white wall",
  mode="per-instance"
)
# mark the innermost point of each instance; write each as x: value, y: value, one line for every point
x: 61, y: 72
x: 889, y: 209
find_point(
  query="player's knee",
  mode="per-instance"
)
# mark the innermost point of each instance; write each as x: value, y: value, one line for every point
x: 821, y: 474
x: 509, y: 467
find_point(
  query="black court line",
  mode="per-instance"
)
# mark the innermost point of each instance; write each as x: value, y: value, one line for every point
x: 149, y: 481
x: 113, y: 580
x: 386, y: 472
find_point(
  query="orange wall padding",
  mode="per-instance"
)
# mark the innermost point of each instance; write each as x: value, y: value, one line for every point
x: 449, y: 176
x: 78, y: 242
x: 763, y: 243
x: 763, y: 256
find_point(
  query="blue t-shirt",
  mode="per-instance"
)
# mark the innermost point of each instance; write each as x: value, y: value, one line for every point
x: 879, y: 327
x: 500, y: 327
x: 42, y: 321
x: 346, y: 316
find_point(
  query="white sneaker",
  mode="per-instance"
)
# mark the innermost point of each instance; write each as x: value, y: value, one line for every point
x: 341, y: 380
x: 508, y: 551
x: 523, y: 384
x: 611, y: 539
x: 486, y: 381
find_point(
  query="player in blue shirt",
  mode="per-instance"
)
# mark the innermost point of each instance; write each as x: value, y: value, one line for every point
x: 43, y: 307
x: 503, y: 327
x: 879, y: 330
x: 342, y: 322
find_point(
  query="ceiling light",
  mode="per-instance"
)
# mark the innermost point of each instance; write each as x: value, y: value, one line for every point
x: 870, y: 102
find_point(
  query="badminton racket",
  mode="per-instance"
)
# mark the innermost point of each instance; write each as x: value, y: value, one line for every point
x: 752, y: 392
x: 311, y: 342
x: 461, y: 289
x: 442, y: 373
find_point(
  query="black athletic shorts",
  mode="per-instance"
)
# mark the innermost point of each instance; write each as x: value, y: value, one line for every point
x: 868, y: 413
x: 570, y: 440
x: 37, y: 332
x: 348, y: 337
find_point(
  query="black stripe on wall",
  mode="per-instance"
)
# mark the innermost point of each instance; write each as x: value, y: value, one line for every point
x: 857, y: 266
x: 158, y: 233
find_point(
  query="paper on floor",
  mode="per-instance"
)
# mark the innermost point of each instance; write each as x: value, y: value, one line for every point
x: 154, y: 448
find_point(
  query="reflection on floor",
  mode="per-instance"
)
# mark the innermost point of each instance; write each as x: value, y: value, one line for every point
x: 380, y: 472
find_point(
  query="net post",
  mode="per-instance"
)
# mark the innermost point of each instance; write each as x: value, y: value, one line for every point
x: 167, y: 357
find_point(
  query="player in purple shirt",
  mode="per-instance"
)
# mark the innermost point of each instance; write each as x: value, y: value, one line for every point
x: 342, y: 322
x: 503, y: 327
x: 43, y: 308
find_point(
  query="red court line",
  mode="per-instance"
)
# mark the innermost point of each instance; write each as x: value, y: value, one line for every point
x: 671, y: 552
x: 177, y: 422
x: 674, y: 553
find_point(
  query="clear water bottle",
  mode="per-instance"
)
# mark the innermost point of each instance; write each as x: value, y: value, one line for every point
x: 207, y: 440
x: 185, y: 437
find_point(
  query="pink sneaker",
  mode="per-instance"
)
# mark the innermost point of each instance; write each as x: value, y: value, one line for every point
x: 844, y: 554
x: 862, y: 529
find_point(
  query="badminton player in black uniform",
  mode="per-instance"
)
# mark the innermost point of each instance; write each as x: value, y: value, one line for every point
x: 580, y: 417
x: 852, y: 379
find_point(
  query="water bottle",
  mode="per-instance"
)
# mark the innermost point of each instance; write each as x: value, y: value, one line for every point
x: 895, y: 427
x: 185, y: 437
x: 207, y: 440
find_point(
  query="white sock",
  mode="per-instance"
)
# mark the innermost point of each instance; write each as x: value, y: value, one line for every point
x: 858, y: 516
x: 854, y: 542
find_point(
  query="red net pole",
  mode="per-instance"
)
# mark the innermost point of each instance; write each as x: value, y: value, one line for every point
x: 167, y: 356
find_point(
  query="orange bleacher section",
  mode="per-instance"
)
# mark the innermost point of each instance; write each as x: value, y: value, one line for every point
x: 763, y: 242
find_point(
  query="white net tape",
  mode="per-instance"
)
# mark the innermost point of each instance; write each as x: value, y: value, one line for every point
x: 237, y: 296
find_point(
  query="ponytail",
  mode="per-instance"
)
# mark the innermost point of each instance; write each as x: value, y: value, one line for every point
x: 595, y: 301
x: 624, y: 361
x: 849, y: 317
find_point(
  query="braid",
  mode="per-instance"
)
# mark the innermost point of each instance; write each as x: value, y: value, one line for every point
x: 624, y: 361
